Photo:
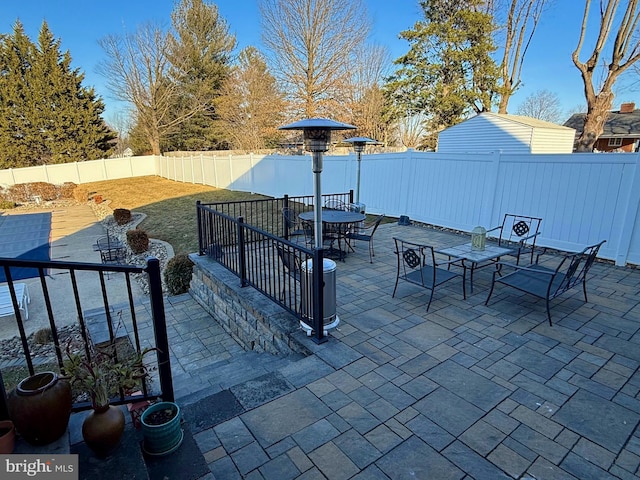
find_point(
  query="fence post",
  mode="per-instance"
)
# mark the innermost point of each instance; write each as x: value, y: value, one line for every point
x: 160, y: 329
x: 242, y: 264
x: 318, y: 296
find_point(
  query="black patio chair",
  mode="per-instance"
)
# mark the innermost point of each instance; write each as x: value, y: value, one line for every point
x: 291, y: 264
x: 549, y: 283
x: 292, y: 224
x: 112, y: 251
x: 418, y: 264
x: 335, y: 204
x: 365, y: 234
x: 518, y: 232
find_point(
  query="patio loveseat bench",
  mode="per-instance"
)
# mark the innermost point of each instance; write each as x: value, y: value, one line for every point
x: 548, y: 283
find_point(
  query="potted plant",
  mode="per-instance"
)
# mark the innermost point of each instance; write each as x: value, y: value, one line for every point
x: 102, y: 375
x: 7, y: 437
x: 161, y: 428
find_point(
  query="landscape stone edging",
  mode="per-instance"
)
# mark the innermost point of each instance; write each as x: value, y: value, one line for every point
x: 252, y: 319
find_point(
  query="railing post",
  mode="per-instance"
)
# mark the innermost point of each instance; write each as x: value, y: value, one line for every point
x: 242, y: 264
x: 351, y: 196
x: 199, y: 220
x: 160, y: 329
x: 285, y: 221
x: 4, y: 410
x: 318, y: 296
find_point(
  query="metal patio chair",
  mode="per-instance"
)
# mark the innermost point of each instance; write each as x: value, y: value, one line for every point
x: 548, y: 283
x: 291, y: 264
x: 292, y: 224
x: 365, y: 234
x: 418, y: 264
x: 518, y: 232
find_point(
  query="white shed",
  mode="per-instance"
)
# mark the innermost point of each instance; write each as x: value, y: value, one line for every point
x: 492, y: 132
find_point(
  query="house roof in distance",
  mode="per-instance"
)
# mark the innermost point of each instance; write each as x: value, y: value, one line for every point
x: 621, y: 123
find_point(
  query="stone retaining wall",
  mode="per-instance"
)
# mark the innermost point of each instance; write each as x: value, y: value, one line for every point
x: 249, y: 317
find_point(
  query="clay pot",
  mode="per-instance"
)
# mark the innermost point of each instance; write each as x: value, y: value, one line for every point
x: 102, y: 429
x: 7, y: 437
x: 40, y: 407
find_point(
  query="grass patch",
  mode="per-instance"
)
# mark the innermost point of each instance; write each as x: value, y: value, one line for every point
x: 170, y: 206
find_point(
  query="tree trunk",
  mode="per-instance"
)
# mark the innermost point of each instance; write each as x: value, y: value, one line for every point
x: 594, y: 121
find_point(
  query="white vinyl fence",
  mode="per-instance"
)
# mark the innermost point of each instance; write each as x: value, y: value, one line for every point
x: 581, y: 198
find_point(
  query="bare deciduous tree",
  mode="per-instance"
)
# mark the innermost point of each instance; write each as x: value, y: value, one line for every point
x: 519, y: 27
x: 543, y: 105
x: 624, y: 53
x: 137, y: 72
x: 369, y: 67
x: 311, y: 42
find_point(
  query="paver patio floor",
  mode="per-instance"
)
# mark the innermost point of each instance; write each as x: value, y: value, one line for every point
x: 464, y: 391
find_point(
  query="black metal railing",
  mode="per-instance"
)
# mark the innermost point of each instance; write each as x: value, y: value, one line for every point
x: 87, y: 301
x: 260, y: 253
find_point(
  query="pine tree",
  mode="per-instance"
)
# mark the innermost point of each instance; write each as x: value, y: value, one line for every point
x: 47, y: 115
x: 448, y: 71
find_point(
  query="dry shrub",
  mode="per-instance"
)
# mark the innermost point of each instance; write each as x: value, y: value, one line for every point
x: 177, y: 274
x: 43, y: 336
x: 7, y: 205
x: 44, y: 190
x: 122, y: 216
x: 19, y: 193
x: 81, y: 194
x: 65, y: 191
x: 138, y: 240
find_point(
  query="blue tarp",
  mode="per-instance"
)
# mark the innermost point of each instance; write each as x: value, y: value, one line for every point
x: 25, y: 237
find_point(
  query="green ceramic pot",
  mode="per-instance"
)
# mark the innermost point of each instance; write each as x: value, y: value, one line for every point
x: 161, y: 428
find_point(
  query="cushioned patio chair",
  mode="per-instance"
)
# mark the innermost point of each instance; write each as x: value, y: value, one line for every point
x: 518, y: 232
x: 548, y: 283
x: 418, y: 264
x: 365, y: 234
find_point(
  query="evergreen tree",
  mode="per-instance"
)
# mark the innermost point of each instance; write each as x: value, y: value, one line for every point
x: 47, y: 115
x: 448, y: 71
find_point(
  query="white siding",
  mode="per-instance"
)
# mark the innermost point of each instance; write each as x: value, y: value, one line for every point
x: 489, y: 132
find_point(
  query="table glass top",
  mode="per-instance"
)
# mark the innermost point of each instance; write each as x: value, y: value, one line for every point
x: 335, y: 216
x: 465, y: 251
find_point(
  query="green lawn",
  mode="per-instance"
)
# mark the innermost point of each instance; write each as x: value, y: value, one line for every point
x: 170, y: 206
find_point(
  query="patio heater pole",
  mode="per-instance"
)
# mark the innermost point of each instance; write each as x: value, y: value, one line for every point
x: 359, y: 144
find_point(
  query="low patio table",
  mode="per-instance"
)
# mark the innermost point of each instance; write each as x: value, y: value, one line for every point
x: 341, y: 219
x: 491, y: 253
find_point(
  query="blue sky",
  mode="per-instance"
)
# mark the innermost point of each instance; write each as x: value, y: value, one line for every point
x: 81, y: 23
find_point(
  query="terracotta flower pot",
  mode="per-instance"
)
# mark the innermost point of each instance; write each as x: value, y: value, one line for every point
x: 40, y: 407
x: 102, y: 429
x: 7, y: 437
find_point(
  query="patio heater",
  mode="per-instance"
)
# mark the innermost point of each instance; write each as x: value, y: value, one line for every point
x: 317, y: 138
x: 359, y: 144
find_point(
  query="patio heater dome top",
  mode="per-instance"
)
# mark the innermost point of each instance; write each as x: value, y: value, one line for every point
x: 314, y: 123
x: 361, y: 140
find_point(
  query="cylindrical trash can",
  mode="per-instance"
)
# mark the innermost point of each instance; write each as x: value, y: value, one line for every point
x: 331, y: 319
